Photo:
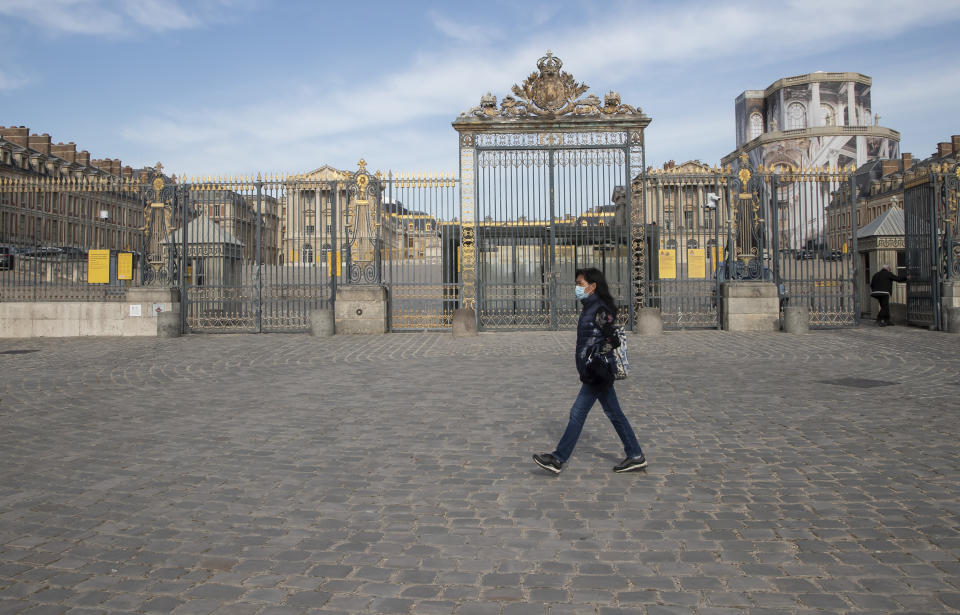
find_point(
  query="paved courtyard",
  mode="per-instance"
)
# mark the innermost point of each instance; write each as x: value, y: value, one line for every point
x: 284, y: 474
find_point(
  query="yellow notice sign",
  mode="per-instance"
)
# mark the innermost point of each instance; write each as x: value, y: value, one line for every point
x: 125, y: 266
x: 98, y: 267
x: 668, y: 264
x: 696, y: 263
x: 844, y: 247
x: 329, y: 258
x: 717, y: 254
x: 336, y: 271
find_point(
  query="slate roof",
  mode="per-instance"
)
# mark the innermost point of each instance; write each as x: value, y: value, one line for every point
x: 889, y: 222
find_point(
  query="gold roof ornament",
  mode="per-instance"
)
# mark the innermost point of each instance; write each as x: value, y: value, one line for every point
x: 550, y: 92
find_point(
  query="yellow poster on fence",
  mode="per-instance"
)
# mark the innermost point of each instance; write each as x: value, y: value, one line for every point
x: 668, y: 264
x: 696, y: 263
x: 98, y: 267
x: 716, y: 257
x: 125, y: 266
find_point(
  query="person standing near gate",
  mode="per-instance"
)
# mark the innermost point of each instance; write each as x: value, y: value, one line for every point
x: 595, y: 334
x: 881, y: 285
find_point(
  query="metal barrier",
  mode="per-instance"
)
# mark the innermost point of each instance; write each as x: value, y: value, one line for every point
x: 787, y: 226
x: 50, y: 228
x: 259, y: 254
x: 931, y: 219
x: 420, y: 239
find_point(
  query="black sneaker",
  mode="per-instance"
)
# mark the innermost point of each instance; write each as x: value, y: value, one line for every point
x: 548, y: 462
x: 631, y: 463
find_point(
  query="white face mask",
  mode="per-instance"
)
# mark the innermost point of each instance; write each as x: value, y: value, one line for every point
x: 580, y: 291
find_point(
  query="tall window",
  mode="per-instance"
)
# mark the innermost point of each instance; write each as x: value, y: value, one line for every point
x: 796, y: 116
x: 829, y: 117
x: 307, y: 253
x: 756, y: 125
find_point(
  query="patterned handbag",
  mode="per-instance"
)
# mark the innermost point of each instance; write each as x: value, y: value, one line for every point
x: 620, y: 365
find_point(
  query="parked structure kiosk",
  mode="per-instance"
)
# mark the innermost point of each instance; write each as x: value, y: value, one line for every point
x: 879, y: 243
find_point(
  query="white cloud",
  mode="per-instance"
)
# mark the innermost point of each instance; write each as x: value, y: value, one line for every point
x: 113, y: 17
x: 158, y: 14
x: 616, y: 50
x: 472, y: 33
x: 65, y: 16
x: 11, y: 80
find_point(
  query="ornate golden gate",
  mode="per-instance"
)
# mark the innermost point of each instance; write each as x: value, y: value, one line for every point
x: 546, y: 189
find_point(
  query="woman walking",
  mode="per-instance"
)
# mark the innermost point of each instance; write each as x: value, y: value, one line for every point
x: 596, y: 333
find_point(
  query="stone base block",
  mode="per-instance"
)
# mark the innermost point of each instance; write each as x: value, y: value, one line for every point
x: 750, y: 306
x: 322, y: 323
x: 168, y: 324
x: 649, y: 322
x: 951, y: 319
x: 796, y: 319
x: 464, y: 322
x: 750, y: 322
x: 91, y: 319
x: 361, y: 310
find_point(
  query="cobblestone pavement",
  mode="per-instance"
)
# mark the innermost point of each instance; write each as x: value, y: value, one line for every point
x: 277, y: 475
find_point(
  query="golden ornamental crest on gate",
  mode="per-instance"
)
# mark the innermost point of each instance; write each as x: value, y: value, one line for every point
x: 551, y: 89
x: 550, y: 92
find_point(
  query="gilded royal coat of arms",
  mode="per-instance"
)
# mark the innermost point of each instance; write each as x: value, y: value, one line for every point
x: 550, y: 92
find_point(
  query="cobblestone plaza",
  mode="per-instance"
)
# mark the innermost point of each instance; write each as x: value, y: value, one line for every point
x: 285, y: 474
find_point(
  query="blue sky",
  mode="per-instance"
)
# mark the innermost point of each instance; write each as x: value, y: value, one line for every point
x: 241, y: 86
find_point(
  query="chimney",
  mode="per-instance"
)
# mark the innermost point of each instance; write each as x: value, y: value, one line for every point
x: 128, y: 172
x: 67, y: 151
x: 955, y: 141
x: 116, y: 167
x: 41, y: 143
x: 83, y: 157
x: 907, y: 161
x: 889, y: 166
x: 15, y: 134
x: 944, y: 148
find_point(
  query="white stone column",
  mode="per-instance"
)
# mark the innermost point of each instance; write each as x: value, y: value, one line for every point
x: 852, y: 103
x: 814, y: 115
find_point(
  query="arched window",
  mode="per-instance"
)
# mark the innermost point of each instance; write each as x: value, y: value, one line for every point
x: 307, y: 253
x: 829, y: 116
x: 756, y: 125
x: 796, y: 116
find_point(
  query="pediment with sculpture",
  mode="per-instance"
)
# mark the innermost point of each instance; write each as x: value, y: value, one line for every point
x: 547, y: 93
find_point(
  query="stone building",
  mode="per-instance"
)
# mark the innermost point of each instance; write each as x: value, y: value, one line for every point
x: 808, y: 122
x: 879, y: 218
x: 676, y: 200
x: 879, y: 186
x: 55, y: 217
x: 237, y: 214
x: 308, y: 230
x: 306, y: 223
x: 813, y: 120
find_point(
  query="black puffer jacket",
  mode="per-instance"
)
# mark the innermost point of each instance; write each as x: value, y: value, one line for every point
x: 882, y: 281
x: 596, y: 333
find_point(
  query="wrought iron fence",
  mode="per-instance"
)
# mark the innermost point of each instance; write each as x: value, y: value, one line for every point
x: 791, y: 227
x: 931, y: 227
x: 419, y: 238
x: 66, y: 239
x: 262, y: 253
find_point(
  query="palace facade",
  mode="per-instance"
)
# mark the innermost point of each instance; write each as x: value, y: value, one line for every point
x: 39, y: 210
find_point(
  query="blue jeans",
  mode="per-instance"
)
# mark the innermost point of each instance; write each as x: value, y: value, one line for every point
x: 578, y: 414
